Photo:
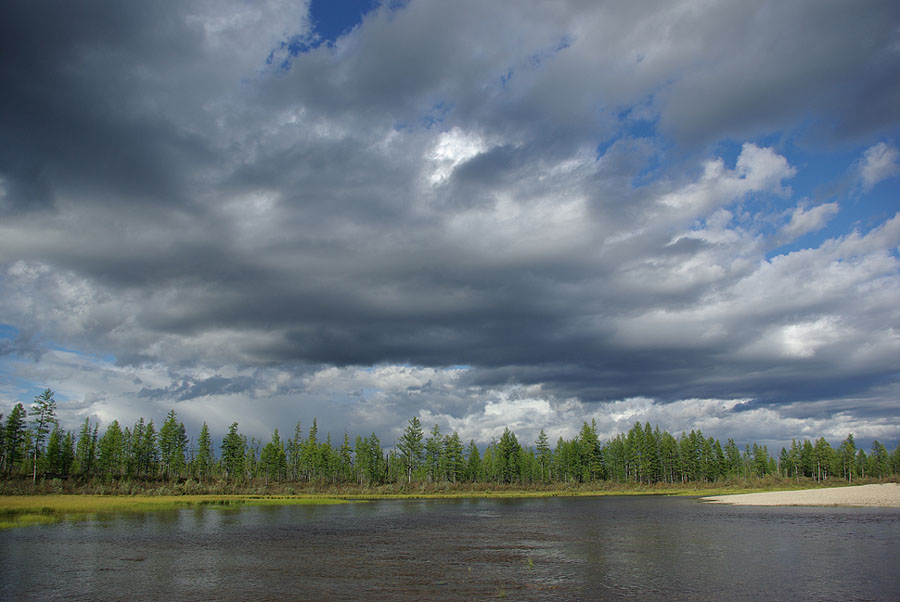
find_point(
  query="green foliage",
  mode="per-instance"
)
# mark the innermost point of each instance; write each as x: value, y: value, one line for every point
x: 43, y: 412
x: 204, y: 461
x: 233, y: 453
x: 643, y: 457
x: 273, y: 459
x: 172, y: 445
x: 411, y: 448
x: 14, y: 448
x: 111, y: 459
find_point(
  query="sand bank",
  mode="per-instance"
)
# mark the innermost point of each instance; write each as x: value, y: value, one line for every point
x: 886, y: 495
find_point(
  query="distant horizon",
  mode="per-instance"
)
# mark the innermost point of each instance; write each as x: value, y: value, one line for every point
x: 288, y: 431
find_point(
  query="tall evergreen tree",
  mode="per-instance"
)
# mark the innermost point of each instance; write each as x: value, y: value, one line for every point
x: 543, y: 456
x: 411, y: 447
x: 14, y: 439
x: 881, y: 462
x: 847, y: 455
x: 273, y: 459
x: 172, y: 446
x: 590, y: 460
x: 111, y: 456
x: 473, y: 463
x: 310, y: 454
x: 53, y: 454
x: 86, y: 449
x: 43, y: 413
x: 203, y: 462
x: 508, y: 457
x: 454, y: 462
x: 233, y: 453
x: 345, y: 453
x: 294, y: 453
x: 433, y: 448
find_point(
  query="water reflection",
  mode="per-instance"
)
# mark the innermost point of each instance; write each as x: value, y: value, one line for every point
x: 539, y: 549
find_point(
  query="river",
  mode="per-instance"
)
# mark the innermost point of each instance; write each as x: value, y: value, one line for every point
x: 606, y: 548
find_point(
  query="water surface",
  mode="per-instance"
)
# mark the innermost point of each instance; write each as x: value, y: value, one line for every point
x: 608, y: 548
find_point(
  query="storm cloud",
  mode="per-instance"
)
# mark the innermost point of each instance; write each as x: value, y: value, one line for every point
x: 484, y: 214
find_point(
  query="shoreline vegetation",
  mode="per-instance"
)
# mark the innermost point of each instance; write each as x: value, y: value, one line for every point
x: 38, y: 456
x: 53, y: 503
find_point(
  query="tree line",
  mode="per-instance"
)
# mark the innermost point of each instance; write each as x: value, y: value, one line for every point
x: 33, y: 443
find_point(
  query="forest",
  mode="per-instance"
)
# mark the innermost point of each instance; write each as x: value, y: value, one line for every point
x: 34, y: 446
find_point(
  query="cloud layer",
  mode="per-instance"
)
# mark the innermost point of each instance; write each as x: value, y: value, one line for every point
x: 484, y: 215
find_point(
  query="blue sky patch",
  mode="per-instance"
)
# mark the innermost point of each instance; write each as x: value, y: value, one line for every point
x: 333, y: 18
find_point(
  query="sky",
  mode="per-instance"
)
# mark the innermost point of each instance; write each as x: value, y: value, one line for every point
x: 519, y: 214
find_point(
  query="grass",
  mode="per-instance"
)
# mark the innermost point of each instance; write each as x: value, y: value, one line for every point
x: 25, y: 510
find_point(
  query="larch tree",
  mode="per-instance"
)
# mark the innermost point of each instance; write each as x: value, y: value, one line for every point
x: 43, y: 413
x: 14, y: 439
x: 203, y: 462
x: 411, y: 447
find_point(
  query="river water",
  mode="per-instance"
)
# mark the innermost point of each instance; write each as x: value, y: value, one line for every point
x: 607, y: 548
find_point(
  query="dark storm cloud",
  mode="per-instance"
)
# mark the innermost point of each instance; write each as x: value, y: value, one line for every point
x: 73, y: 82
x: 528, y: 193
x: 186, y: 390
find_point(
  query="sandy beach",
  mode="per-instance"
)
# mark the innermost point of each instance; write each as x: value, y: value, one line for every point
x: 885, y: 495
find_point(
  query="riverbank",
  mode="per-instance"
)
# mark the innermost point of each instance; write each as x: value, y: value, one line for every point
x: 21, y: 510
x: 24, y: 510
x: 884, y: 495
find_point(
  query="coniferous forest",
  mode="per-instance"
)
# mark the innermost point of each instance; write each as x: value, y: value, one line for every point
x: 34, y: 447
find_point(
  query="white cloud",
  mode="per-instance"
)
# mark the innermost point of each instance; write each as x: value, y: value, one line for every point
x: 880, y: 162
x: 805, y: 220
x: 452, y: 148
x: 756, y: 170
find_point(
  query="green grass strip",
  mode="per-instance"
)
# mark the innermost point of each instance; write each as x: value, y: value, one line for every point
x: 24, y: 510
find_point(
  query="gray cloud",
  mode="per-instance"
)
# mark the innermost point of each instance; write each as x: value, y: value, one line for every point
x: 447, y: 185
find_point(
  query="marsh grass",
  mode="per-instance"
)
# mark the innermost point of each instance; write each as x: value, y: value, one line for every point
x: 48, y: 507
x: 25, y: 510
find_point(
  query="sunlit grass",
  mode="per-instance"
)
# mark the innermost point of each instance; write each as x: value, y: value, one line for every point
x: 24, y: 510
